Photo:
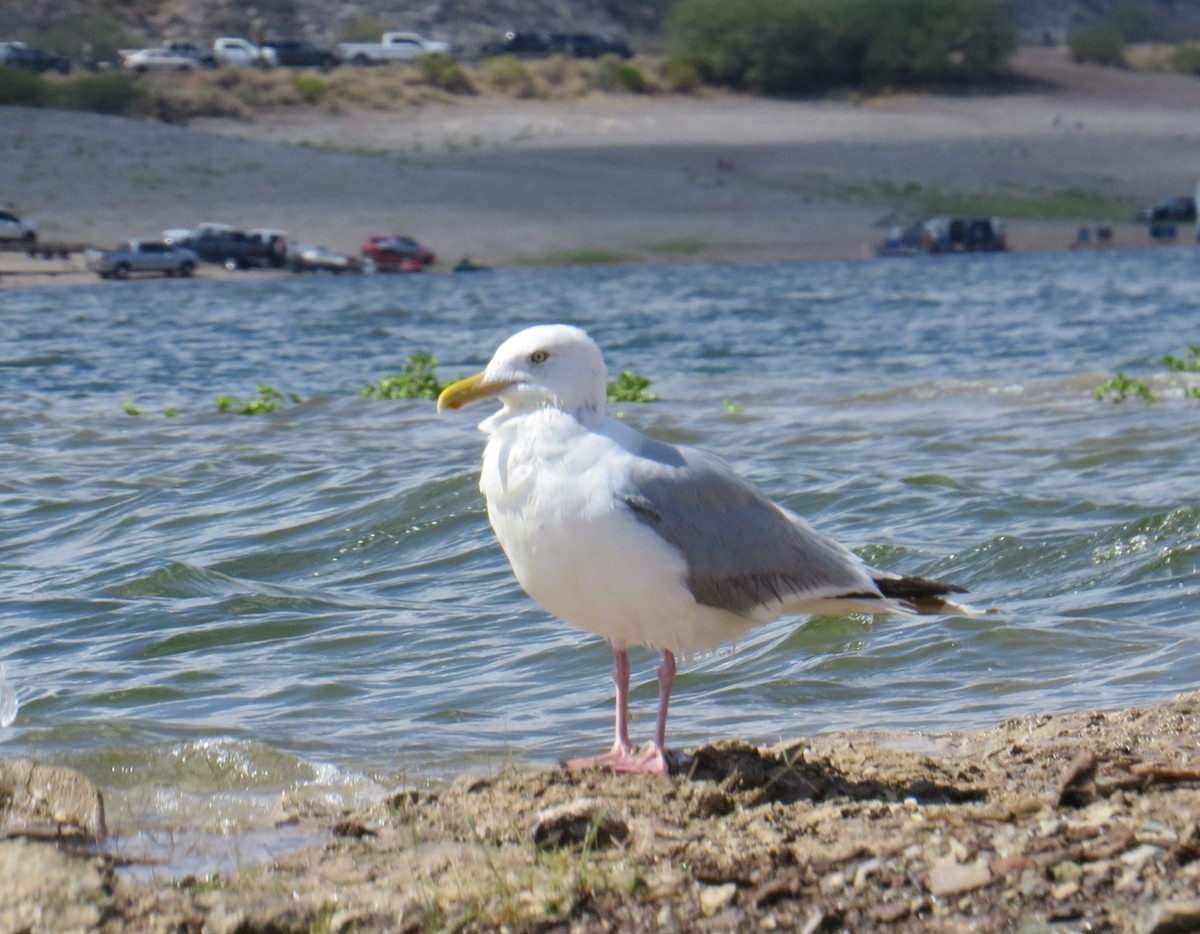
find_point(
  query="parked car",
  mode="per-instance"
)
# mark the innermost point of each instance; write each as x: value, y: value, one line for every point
x: 520, y: 44
x: 1180, y: 210
x: 233, y: 50
x: 15, y: 227
x: 294, y: 53
x: 588, y: 45
x: 144, y: 60
x: 19, y: 55
x: 321, y: 259
x: 395, y: 253
x: 225, y: 246
x: 142, y: 256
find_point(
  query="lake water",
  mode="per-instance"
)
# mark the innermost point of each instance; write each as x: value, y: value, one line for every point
x: 214, y: 604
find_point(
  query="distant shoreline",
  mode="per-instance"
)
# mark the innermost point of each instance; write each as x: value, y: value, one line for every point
x: 639, y: 179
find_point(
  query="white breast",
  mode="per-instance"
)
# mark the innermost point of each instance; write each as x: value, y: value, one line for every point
x: 551, y: 487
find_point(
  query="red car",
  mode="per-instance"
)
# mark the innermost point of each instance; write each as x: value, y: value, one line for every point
x: 396, y: 253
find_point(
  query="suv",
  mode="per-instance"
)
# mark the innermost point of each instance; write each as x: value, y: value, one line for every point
x: 19, y: 55
x: 294, y: 53
x: 587, y: 45
x: 521, y: 44
x: 12, y: 227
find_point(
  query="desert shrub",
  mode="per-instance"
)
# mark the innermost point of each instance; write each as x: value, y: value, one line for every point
x: 101, y: 93
x: 507, y: 74
x: 681, y: 76
x: 802, y: 46
x: 20, y: 88
x: 440, y: 70
x: 1186, y: 59
x: 1102, y: 44
x: 612, y: 74
x: 311, y: 88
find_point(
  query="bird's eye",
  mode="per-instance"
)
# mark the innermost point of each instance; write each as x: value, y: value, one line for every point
x: 539, y: 356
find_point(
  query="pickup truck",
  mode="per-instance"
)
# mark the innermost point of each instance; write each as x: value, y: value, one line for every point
x: 231, y: 50
x: 141, y: 256
x: 393, y: 47
x: 233, y: 249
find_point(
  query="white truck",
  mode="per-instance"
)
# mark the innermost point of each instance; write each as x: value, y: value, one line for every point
x: 392, y: 47
x: 232, y: 50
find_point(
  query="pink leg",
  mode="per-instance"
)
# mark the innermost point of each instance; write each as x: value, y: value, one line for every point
x: 652, y: 760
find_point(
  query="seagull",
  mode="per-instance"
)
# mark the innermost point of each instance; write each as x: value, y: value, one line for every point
x: 643, y: 542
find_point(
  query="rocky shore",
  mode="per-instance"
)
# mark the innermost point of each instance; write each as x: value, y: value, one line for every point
x: 1087, y: 821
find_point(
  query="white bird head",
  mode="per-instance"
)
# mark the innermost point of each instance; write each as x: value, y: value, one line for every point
x: 547, y: 366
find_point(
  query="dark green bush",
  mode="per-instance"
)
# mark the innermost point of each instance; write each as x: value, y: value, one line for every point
x: 770, y: 46
x: 19, y: 88
x: 927, y: 42
x: 102, y: 94
x: 1099, y: 45
x: 1186, y: 59
x: 803, y: 46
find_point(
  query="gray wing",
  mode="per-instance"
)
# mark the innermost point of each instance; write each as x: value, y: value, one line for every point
x: 742, y: 550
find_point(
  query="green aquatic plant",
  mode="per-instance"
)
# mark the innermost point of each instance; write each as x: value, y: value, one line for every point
x: 1120, y: 387
x: 269, y: 399
x: 630, y: 387
x: 1188, y: 363
x: 733, y: 408
x: 418, y: 379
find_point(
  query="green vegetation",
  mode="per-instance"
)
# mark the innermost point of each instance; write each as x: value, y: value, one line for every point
x: 269, y: 399
x: 1067, y: 204
x: 89, y: 36
x: 312, y: 88
x: 576, y: 258
x: 101, y: 93
x: 1121, y: 387
x: 630, y: 387
x: 1186, y: 59
x: 1188, y: 363
x: 1101, y: 44
x: 440, y: 70
x: 612, y: 74
x: 811, y: 46
x: 1105, y: 42
x: 417, y: 380
x: 508, y: 74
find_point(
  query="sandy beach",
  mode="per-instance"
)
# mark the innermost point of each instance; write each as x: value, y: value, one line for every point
x: 649, y: 179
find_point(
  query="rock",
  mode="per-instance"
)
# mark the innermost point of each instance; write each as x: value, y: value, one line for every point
x: 47, y: 889
x: 952, y: 878
x: 1176, y: 917
x: 574, y: 823
x: 40, y: 794
x: 715, y: 897
x: 1077, y: 787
